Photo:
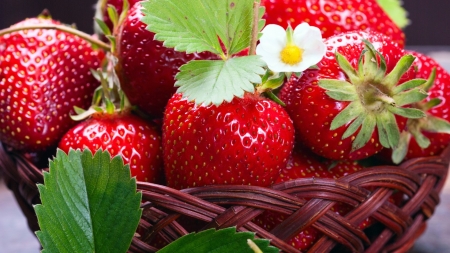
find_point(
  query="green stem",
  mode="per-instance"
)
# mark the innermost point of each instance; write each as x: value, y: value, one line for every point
x: 255, y: 29
x: 63, y: 28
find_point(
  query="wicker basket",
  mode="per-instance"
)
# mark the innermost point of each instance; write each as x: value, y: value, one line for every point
x: 167, y: 209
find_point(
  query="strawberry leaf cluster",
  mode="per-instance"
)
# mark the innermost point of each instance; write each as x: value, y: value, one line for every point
x: 224, y: 28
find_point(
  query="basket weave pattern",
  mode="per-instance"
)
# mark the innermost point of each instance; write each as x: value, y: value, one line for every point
x: 165, y: 209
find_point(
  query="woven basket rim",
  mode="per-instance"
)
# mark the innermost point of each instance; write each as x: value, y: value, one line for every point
x: 305, y: 201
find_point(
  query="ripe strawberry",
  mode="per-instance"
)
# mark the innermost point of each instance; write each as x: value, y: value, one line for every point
x: 146, y: 68
x: 123, y: 134
x: 44, y: 73
x: 349, y: 107
x: 245, y: 141
x: 427, y: 136
x: 333, y: 16
x: 304, y: 164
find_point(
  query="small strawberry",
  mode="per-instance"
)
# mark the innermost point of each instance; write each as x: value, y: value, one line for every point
x: 120, y: 133
x: 44, y: 73
x: 245, y: 141
x: 356, y: 101
x: 427, y: 136
x: 333, y: 16
x: 146, y: 68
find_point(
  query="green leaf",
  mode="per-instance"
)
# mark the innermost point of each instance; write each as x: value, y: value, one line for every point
x: 410, y: 113
x: 196, y: 25
x: 411, y: 84
x: 352, y: 111
x: 354, y: 126
x: 395, y: 11
x: 218, y: 241
x: 388, y: 131
x: 339, y: 90
x: 392, y: 79
x: 409, y: 97
x: 399, y: 152
x: 217, y: 81
x: 367, y: 128
x: 103, y: 27
x: 347, y: 68
x: 420, y: 138
x: 437, y: 125
x: 89, y: 204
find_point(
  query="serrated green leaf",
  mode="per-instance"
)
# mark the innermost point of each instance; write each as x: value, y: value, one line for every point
x: 210, y: 81
x: 218, y: 241
x: 197, y: 25
x: 89, y: 204
x: 395, y: 11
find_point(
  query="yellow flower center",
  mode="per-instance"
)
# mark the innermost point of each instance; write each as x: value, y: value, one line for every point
x: 291, y: 54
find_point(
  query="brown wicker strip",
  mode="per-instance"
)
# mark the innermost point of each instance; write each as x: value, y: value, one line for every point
x: 169, y: 213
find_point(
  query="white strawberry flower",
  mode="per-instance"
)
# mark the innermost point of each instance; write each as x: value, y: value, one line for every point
x: 291, y: 51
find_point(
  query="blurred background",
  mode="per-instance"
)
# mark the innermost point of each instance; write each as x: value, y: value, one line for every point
x: 427, y: 27
x: 426, y: 33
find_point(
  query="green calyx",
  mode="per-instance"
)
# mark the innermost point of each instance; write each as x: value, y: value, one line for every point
x: 374, y: 97
x: 416, y: 127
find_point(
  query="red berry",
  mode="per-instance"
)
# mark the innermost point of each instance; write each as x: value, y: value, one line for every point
x: 245, y: 141
x: 44, y: 73
x: 146, y: 68
x: 313, y: 109
x: 333, y: 16
x: 123, y: 134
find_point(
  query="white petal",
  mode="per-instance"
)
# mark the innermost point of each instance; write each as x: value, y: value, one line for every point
x: 273, y: 34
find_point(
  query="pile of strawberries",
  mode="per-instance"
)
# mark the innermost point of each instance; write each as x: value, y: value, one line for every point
x: 49, y: 74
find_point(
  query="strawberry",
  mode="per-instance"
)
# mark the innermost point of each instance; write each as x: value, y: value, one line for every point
x: 245, y: 141
x: 123, y: 134
x: 146, y: 68
x: 355, y: 102
x: 427, y: 136
x: 44, y: 73
x: 333, y: 16
x: 304, y: 164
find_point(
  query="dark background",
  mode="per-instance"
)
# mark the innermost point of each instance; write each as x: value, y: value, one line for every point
x: 429, y: 25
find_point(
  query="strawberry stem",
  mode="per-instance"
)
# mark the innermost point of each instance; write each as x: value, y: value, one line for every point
x: 63, y: 28
x: 255, y: 29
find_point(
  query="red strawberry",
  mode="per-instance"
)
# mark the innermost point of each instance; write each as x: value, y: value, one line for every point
x: 123, y: 134
x: 304, y: 164
x: 146, y: 68
x: 340, y: 109
x: 245, y: 141
x: 430, y: 135
x: 333, y: 16
x: 44, y: 73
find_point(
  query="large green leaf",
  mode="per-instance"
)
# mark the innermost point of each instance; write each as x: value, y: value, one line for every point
x: 89, y: 204
x: 218, y: 241
x: 217, y: 81
x: 196, y: 25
